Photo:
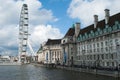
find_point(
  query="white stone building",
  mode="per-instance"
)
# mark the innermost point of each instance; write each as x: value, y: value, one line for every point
x: 68, y: 43
x: 98, y: 45
x: 41, y: 55
x: 52, y: 51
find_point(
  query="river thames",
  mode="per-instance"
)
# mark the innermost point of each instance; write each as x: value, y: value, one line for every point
x: 31, y: 72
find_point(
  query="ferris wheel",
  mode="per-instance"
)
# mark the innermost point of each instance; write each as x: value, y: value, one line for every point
x: 23, y: 33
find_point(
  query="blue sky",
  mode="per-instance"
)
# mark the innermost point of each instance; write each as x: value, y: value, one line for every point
x: 48, y: 19
x: 59, y: 9
x: 69, y: 12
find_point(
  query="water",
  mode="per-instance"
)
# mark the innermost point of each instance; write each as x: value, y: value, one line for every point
x: 30, y: 72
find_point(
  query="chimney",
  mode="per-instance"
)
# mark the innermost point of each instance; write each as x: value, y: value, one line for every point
x: 77, y: 29
x: 107, y: 14
x: 95, y: 20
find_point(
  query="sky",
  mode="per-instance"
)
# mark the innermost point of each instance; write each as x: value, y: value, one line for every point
x: 48, y: 19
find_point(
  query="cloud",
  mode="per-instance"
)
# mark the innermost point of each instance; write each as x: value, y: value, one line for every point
x: 38, y: 18
x: 44, y: 32
x: 85, y: 9
x: 41, y: 33
x: 10, y: 12
x: 8, y: 35
x: 9, y: 40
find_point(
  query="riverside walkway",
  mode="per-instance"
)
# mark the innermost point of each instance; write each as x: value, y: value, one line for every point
x: 113, y: 73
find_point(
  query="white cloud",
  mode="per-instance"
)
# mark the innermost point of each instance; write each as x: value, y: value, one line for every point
x: 8, y: 39
x: 9, y: 19
x: 10, y: 12
x: 85, y: 9
x: 41, y: 33
x: 44, y: 32
x: 9, y: 35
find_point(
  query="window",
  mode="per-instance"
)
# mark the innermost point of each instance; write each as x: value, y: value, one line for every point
x: 87, y: 57
x: 105, y: 30
x: 106, y: 49
x: 117, y: 24
x: 55, y: 53
x: 111, y: 42
x: 109, y: 29
x: 63, y: 41
x: 93, y: 45
x: 98, y: 50
x: 102, y: 56
x: 100, y: 31
x: 111, y: 56
x: 98, y: 56
x: 114, y: 27
x: 107, y: 63
x: 97, y: 44
x: 106, y: 43
x: 101, y: 44
x: 83, y: 37
x: 96, y: 33
x: 101, y: 49
x: 106, y: 56
x: 86, y: 35
x: 116, y: 41
x: 89, y: 35
x: 112, y: 63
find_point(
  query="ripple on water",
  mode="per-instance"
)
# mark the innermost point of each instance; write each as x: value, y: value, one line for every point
x: 30, y: 72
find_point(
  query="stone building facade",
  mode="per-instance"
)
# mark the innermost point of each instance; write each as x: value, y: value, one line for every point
x: 52, y: 51
x: 68, y: 44
x: 41, y: 55
x: 99, y: 44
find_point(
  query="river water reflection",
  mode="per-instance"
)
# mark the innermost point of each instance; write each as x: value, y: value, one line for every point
x: 30, y: 72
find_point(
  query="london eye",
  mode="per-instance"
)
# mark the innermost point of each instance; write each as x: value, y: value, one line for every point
x: 23, y: 33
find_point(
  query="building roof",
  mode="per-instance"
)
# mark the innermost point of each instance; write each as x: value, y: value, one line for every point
x: 70, y: 32
x: 53, y: 41
x: 101, y: 24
